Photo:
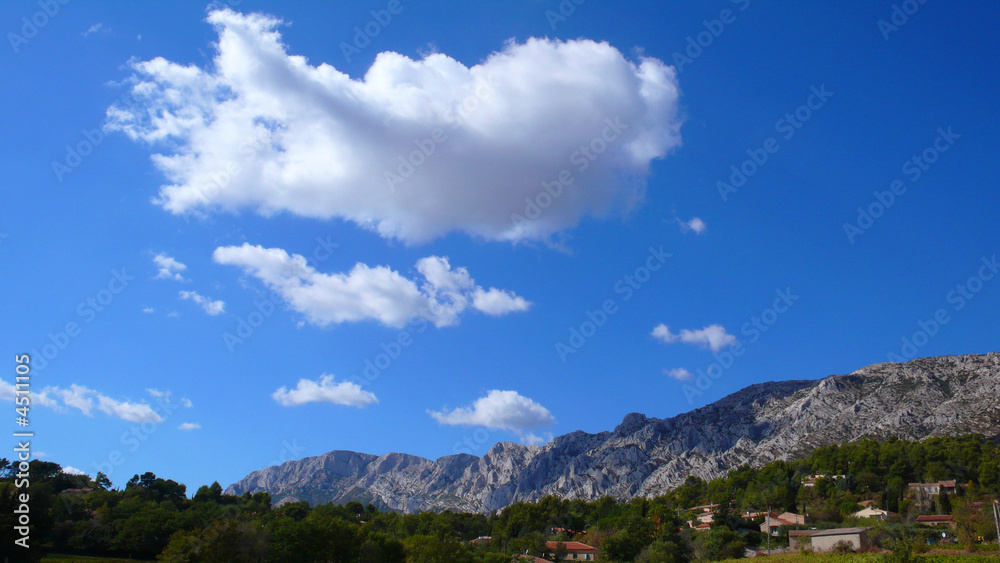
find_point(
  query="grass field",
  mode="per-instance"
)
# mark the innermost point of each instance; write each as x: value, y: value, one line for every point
x: 872, y: 558
x: 56, y: 558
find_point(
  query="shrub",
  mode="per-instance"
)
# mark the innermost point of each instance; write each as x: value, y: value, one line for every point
x: 843, y: 547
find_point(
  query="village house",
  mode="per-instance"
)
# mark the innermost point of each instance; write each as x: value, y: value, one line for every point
x: 876, y: 513
x: 934, y: 488
x: 773, y: 522
x: 825, y: 540
x: 936, y: 520
x: 704, y: 515
x: 481, y: 541
x: 810, y: 481
x: 575, y: 551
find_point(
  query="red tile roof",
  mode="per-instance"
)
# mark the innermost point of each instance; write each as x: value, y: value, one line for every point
x: 935, y: 518
x: 570, y: 546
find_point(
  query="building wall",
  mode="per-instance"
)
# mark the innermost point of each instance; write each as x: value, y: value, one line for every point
x: 826, y: 543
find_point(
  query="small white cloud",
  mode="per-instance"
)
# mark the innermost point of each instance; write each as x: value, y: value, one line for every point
x: 211, y: 307
x: 186, y: 402
x: 499, y: 410
x: 148, y: 310
x: 680, y: 374
x: 371, y: 293
x: 713, y: 337
x: 326, y: 390
x: 696, y: 225
x: 40, y: 454
x: 532, y: 439
x: 168, y: 268
x: 157, y: 392
x: 189, y: 426
x: 70, y: 470
x: 173, y: 315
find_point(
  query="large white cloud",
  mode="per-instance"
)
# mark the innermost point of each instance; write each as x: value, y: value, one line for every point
x: 713, y: 337
x: 326, y: 390
x: 500, y: 410
x: 371, y: 293
x: 266, y: 130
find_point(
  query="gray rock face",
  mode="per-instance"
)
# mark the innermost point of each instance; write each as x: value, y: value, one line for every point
x: 946, y: 395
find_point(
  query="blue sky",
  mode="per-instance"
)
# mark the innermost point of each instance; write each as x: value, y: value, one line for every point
x: 154, y: 269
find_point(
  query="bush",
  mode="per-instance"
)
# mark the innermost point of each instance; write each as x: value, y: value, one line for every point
x: 843, y: 547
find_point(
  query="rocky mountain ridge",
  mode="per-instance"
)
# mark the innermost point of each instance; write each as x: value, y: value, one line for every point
x: 645, y: 456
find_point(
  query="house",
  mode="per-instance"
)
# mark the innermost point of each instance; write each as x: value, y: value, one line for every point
x: 481, y: 540
x: 936, y: 520
x: 798, y: 539
x: 793, y: 517
x: 575, y: 551
x: 772, y: 522
x: 934, y: 488
x: 810, y: 481
x: 876, y: 513
x: 705, y: 515
x: 825, y: 540
x: 77, y: 491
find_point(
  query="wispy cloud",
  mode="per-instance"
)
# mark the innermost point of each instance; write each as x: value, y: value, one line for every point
x: 96, y: 28
x: 207, y: 304
x: 188, y: 426
x: 86, y: 400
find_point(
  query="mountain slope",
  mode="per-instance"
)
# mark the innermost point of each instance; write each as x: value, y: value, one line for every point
x: 926, y: 397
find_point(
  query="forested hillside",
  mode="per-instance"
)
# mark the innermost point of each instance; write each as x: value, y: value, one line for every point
x: 150, y: 517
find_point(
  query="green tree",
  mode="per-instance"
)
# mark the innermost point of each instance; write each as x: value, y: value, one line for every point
x: 943, y: 503
x: 717, y: 544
